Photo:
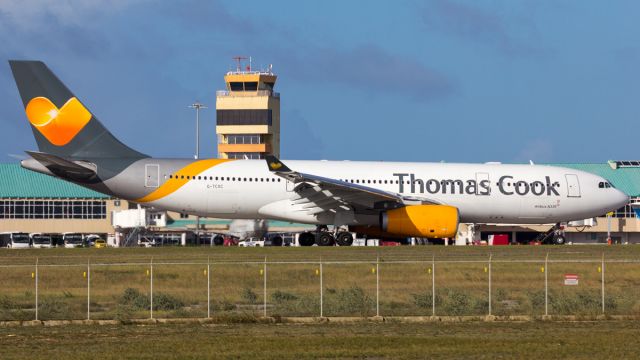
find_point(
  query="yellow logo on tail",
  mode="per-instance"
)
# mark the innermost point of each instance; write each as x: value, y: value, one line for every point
x: 59, y: 126
x: 275, y: 165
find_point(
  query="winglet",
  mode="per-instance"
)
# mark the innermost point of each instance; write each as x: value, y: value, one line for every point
x: 275, y: 165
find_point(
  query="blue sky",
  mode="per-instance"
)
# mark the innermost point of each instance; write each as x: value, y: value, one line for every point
x: 459, y: 81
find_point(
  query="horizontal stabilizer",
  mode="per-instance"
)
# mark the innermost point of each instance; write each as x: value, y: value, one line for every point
x: 79, y: 171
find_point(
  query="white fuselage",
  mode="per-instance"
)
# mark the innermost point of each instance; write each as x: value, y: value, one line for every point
x: 483, y: 193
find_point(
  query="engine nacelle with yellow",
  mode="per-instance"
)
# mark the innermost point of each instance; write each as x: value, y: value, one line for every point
x: 425, y: 221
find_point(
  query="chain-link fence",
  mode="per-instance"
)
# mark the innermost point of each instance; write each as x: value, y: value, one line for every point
x: 76, y: 288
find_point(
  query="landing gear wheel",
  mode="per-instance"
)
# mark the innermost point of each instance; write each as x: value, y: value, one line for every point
x: 276, y: 241
x: 325, y: 239
x: 344, y: 239
x: 218, y: 240
x: 306, y: 239
x: 559, y: 240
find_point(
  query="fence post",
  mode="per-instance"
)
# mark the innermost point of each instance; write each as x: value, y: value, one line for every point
x: 151, y: 286
x: 265, y: 288
x: 88, y: 288
x: 433, y: 285
x: 321, y: 291
x: 490, y: 256
x: 378, y: 286
x: 36, y: 278
x: 602, y: 281
x: 209, y: 286
x: 546, y: 285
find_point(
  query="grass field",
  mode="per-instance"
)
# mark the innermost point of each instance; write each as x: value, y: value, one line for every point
x: 121, y: 281
x: 476, y: 340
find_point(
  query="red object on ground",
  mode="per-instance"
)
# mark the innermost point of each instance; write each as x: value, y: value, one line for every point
x: 229, y: 241
x: 500, y: 239
x: 389, y: 243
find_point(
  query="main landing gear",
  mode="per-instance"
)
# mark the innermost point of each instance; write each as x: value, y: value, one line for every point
x: 324, y: 237
x: 554, y: 236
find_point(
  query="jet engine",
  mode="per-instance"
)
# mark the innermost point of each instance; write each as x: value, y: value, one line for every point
x: 425, y: 221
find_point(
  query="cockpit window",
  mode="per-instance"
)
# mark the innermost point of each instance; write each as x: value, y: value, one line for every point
x: 604, y: 185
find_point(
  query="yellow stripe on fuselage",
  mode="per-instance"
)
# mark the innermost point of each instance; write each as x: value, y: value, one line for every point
x: 180, y: 179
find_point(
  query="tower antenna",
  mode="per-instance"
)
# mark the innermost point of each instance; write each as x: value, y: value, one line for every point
x: 239, y: 60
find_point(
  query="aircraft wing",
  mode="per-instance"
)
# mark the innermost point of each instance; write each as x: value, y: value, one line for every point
x: 318, y: 194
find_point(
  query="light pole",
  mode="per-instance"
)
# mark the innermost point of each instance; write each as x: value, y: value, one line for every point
x: 197, y: 105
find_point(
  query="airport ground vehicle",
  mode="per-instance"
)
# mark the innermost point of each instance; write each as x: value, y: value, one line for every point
x: 73, y: 240
x: 90, y: 240
x: 251, y: 242
x: 100, y: 243
x: 15, y: 240
x: 39, y: 240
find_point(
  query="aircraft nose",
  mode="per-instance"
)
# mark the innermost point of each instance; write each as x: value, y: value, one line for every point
x: 619, y: 199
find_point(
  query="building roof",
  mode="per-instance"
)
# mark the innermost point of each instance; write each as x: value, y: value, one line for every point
x: 625, y: 179
x: 17, y: 182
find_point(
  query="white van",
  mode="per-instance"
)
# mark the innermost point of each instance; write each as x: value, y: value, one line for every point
x: 73, y: 240
x: 15, y: 240
x: 40, y: 240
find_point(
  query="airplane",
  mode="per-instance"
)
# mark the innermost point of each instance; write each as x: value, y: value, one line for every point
x: 389, y: 199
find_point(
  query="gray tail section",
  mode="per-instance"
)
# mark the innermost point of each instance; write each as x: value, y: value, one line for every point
x: 89, y: 141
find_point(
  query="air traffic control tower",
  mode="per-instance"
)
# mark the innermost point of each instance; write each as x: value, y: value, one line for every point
x: 248, y: 114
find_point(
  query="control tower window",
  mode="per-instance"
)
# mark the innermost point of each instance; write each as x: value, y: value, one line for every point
x: 267, y: 86
x: 245, y: 139
x: 251, y: 86
x: 235, y: 86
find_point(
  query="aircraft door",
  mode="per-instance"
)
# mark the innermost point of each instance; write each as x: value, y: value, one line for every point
x: 290, y: 185
x: 573, y: 185
x: 151, y: 175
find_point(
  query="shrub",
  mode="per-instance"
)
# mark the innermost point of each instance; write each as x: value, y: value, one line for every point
x: 10, y: 310
x: 456, y: 303
x: 54, y: 308
x: 348, y: 301
x: 162, y: 301
x: 281, y: 296
x: 425, y: 300
x: 249, y: 296
x: 134, y: 299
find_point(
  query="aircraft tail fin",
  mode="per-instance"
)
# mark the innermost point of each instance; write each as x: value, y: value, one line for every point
x: 61, y: 124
